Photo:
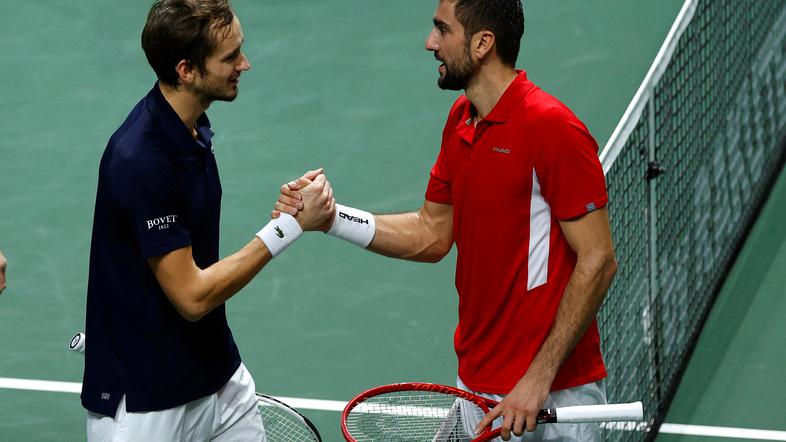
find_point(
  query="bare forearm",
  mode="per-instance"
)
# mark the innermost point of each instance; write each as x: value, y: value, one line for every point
x: 229, y: 275
x: 425, y: 235
x: 410, y: 236
x: 579, y: 306
x: 196, y: 292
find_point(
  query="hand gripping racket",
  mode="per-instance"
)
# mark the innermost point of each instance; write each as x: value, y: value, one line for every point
x: 438, y: 413
x: 282, y: 423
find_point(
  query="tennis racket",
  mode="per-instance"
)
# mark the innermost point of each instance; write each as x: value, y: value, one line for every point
x: 438, y: 413
x: 282, y: 423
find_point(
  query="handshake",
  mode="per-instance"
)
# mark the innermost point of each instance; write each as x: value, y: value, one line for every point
x: 309, y: 199
x: 308, y: 204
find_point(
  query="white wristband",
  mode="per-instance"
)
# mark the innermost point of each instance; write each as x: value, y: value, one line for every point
x: 353, y: 225
x: 279, y: 233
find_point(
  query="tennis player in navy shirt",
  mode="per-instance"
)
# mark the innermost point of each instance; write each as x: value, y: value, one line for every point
x: 161, y: 363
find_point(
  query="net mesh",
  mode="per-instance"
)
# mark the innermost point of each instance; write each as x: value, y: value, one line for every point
x: 712, y: 115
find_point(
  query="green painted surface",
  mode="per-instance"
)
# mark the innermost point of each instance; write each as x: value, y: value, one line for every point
x: 345, y: 85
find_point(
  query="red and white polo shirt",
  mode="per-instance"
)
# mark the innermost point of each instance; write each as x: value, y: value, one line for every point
x: 527, y: 165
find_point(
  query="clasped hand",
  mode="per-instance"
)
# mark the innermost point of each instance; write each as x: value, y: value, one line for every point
x: 309, y: 199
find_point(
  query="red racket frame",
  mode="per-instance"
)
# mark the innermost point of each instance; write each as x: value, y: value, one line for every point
x: 485, y: 404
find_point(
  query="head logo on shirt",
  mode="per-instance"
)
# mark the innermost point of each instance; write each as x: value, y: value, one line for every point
x: 161, y: 222
x: 500, y: 150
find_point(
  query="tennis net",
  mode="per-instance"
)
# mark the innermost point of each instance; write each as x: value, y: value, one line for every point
x: 687, y: 168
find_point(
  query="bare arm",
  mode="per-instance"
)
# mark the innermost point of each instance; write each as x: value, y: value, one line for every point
x: 195, y: 292
x: 425, y: 235
x: 590, y: 237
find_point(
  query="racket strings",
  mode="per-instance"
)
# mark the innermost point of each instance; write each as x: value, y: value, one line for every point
x: 281, y: 426
x: 413, y: 416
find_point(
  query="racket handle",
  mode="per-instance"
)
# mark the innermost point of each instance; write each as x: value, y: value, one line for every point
x: 77, y: 343
x: 601, y: 413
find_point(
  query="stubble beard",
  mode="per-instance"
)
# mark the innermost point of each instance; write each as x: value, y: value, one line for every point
x: 209, y: 93
x: 457, y: 75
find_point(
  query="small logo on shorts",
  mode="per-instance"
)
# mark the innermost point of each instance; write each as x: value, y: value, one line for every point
x: 590, y: 207
x: 279, y: 232
x: 104, y: 396
x: 500, y: 150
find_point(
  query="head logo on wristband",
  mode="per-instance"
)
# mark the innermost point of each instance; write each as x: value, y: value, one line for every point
x: 353, y: 225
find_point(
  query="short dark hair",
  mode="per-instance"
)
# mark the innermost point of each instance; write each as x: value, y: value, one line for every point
x: 504, y: 18
x: 183, y: 30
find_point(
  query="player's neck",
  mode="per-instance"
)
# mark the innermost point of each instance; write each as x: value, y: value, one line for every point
x: 187, y: 106
x: 487, y: 87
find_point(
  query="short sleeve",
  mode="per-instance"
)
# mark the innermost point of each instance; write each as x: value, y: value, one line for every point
x: 149, y: 191
x: 438, y: 190
x: 439, y: 187
x: 567, y: 167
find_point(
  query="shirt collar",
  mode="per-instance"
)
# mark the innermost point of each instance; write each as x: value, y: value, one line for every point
x: 510, y: 99
x: 506, y: 104
x: 173, y: 127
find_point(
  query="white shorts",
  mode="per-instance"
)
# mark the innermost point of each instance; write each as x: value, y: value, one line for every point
x: 230, y: 414
x: 588, y: 394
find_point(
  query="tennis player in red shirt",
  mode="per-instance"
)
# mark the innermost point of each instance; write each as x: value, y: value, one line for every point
x: 531, y: 276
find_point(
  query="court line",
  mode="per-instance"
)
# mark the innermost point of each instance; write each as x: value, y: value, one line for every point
x: 729, y: 432
x: 326, y: 405
x: 37, y: 385
x: 76, y: 387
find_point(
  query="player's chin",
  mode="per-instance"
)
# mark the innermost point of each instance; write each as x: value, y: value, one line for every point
x: 230, y: 95
x: 441, y: 80
x: 446, y: 85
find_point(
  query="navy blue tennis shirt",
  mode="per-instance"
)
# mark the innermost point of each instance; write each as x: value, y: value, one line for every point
x: 158, y: 191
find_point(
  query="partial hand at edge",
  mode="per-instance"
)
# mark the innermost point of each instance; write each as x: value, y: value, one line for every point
x: 3, y: 263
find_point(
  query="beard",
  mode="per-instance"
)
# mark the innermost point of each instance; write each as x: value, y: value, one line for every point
x: 209, y: 92
x: 457, y: 74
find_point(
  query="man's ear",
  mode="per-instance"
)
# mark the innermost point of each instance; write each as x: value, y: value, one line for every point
x: 482, y: 44
x: 186, y: 71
